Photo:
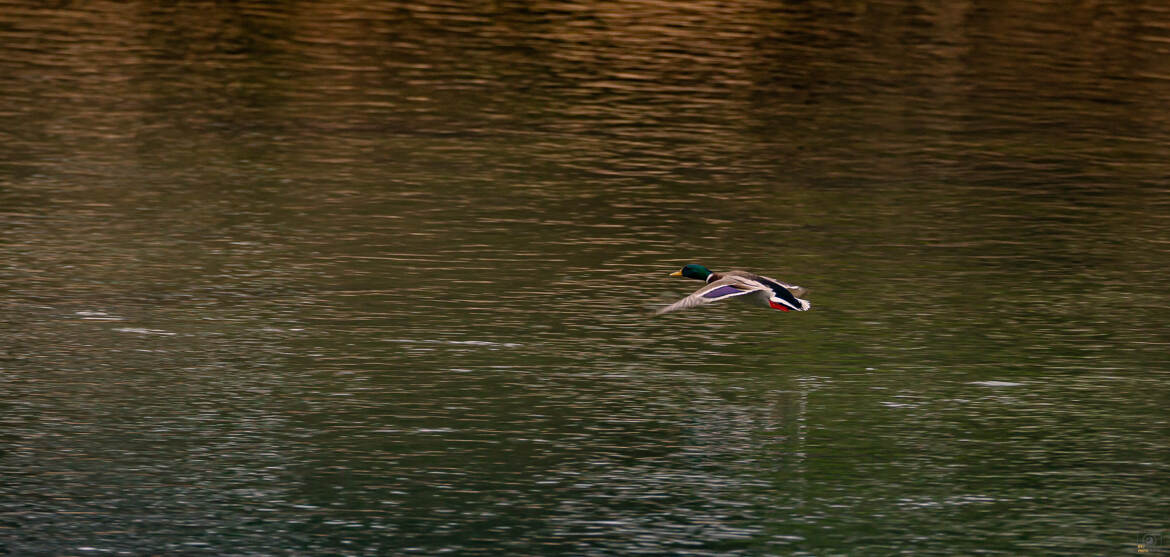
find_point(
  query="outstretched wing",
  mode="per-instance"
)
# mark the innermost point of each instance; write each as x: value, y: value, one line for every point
x: 796, y: 291
x: 718, y: 290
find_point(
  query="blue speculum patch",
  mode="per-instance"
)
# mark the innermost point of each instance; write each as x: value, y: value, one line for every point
x: 721, y: 292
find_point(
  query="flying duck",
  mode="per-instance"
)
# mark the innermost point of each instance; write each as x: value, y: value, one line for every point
x: 749, y: 287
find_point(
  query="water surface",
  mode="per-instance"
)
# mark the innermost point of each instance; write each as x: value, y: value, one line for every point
x: 332, y: 278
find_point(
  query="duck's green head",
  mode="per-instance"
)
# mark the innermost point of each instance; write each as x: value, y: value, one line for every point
x: 697, y: 272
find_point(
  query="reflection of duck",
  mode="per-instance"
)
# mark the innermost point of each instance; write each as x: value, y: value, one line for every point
x: 749, y: 287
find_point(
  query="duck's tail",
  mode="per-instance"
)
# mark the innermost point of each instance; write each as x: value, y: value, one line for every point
x: 788, y: 305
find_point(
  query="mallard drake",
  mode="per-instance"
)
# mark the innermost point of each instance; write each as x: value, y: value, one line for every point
x: 749, y: 287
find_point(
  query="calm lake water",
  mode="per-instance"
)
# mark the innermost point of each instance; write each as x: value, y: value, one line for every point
x: 352, y: 278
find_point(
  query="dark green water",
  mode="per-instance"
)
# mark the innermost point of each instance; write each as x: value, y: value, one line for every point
x: 348, y: 279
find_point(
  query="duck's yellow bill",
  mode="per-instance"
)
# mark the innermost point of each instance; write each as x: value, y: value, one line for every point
x: 676, y: 274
